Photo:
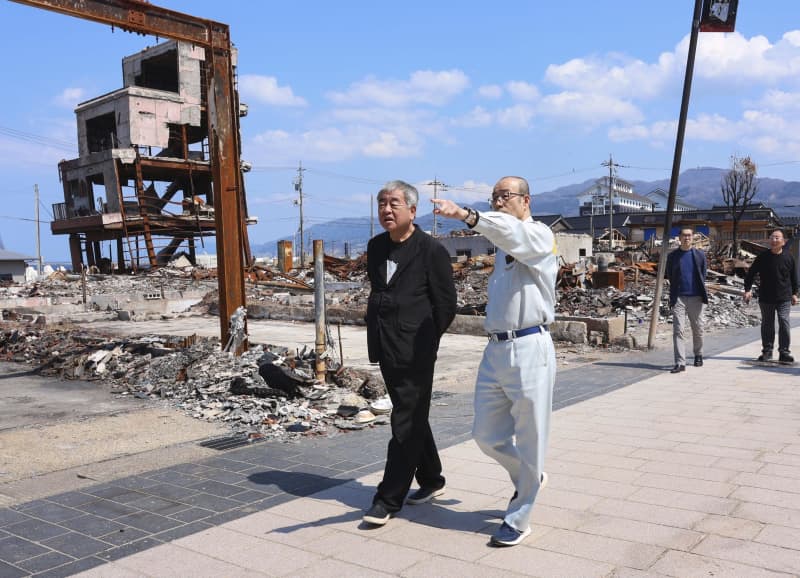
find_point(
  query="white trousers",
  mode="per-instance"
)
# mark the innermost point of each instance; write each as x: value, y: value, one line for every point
x: 513, y: 403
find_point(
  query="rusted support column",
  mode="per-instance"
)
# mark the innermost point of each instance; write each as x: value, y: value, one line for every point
x: 319, y: 307
x: 224, y: 140
x: 75, y: 252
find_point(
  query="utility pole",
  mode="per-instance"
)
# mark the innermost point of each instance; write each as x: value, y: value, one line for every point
x: 298, y: 186
x: 371, y: 218
x: 436, y: 184
x: 611, y: 166
x: 38, y: 239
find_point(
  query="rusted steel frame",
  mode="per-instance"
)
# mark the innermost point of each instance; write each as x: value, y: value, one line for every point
x: 175, y: 165
x: 148, y: 240
x: 140, y: 16
x: 224, y: 143
x: 143, y: 17
x: 124, y: 217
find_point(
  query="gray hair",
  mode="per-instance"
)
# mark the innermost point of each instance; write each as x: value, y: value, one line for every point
x: 410, y: 194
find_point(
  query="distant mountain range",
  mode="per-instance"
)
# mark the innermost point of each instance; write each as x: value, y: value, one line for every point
x: 699, y: 187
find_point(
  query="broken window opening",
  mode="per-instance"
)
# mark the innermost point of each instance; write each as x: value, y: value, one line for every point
x: 160, y: 72
x: 101, y: 133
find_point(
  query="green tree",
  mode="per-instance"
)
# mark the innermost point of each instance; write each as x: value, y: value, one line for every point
x: 739, y: 186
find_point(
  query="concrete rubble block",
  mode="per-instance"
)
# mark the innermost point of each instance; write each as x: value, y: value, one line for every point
x: 468, y: 325
x: 611, y: 327
x: 125, y: 315
x: 572, y: 331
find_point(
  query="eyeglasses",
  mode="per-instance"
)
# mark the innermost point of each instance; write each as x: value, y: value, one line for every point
x: 393, y: 205
x: 504, y: 195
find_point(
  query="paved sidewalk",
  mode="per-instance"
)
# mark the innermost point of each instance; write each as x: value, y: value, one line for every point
x: 695, y: 474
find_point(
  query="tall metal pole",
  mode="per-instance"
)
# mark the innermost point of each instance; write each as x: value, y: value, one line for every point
x: 436, y: 183
x: 38, y: 237
x: 298, y: 186
x: 319, y: 308
x: 610, y: 203
x: 371, y: 218
x: 676, y: 169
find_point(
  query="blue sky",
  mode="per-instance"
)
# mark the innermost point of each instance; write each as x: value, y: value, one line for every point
x: 365, y: 92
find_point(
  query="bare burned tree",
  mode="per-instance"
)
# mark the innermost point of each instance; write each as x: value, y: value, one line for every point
x: 739, y: 186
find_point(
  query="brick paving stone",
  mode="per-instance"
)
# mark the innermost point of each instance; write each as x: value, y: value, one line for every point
x: 543, y: 563
x: 768, y: 482
x: 713, y: 474
x: 35, y: 530
x: 686, y: 565
x: 13, y: 549
x: 644, y: 532
x: 679, y: 483
x: 666, y: 515
x: 76, y: 545
x: 247, y: 551
x: 42, y: 563
x: 600, y: 548
x: 729, y: 526
x: 780, y: 499
x: 684, y: 500
x: 780, y: 536
x: 772, y: 558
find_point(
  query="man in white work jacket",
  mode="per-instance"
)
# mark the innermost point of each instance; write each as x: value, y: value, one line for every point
x: 514, y: 387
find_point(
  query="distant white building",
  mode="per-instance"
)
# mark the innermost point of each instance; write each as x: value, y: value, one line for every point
x: 595, y: 199
x: 660, y: 197
x: 12, y: 266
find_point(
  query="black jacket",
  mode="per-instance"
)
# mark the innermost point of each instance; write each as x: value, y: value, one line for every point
x: 778, y: 276
x: 673, y: 274
x: 407, y: 316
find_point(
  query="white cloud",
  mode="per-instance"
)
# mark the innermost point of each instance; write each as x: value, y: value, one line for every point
x: 265, y: 89
x: 614, y: 75
x: 732, y: 57
x: 491, y: 91
x: 589, y: 109
x: 523, y: 91
x: 517, y: 116
x: 70, y: 97
x: 434, y: 88
x: 332, y: 144
x: 779, y: 101
x: 477, y: 117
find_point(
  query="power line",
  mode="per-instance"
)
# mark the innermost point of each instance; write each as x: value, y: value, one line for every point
x: 38, y: 139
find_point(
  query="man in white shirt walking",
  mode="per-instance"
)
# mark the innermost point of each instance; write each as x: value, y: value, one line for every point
x: 514, y: 387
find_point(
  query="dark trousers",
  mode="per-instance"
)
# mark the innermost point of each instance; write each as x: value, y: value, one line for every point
x: 412, y: 451
x: 768, y: 312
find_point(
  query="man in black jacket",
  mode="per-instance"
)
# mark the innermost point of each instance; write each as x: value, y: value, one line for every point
x: 411, y: 304
x: 686, y: 271
x: 777, y: 292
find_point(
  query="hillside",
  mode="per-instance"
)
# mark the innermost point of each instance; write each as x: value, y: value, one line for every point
x: 699, y: 187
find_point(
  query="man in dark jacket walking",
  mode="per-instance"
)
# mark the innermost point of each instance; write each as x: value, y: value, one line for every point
x: 777, y: 292
x: 686, y: 271
x: 411, y: 304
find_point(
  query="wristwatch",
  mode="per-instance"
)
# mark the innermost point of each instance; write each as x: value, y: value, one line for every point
x: 472, y: 217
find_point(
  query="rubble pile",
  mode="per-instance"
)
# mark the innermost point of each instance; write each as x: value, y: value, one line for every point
x: 267, y: 392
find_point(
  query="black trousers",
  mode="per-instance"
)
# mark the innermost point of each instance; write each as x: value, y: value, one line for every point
x: 412, y: 452
x: 768, y: 313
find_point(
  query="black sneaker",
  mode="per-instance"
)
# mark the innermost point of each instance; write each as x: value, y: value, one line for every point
x: 765, y: 357
x: 678, y: 369
x: 423, y: 495
x: 698, y: 361
x: 786, y: 358
x: 508, y: 536
x: 377, y: 515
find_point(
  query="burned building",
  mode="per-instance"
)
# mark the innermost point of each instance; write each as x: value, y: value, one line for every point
x: 143, y: 177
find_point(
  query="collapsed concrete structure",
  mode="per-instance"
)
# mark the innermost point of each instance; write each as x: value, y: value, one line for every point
x: 143, y: 177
